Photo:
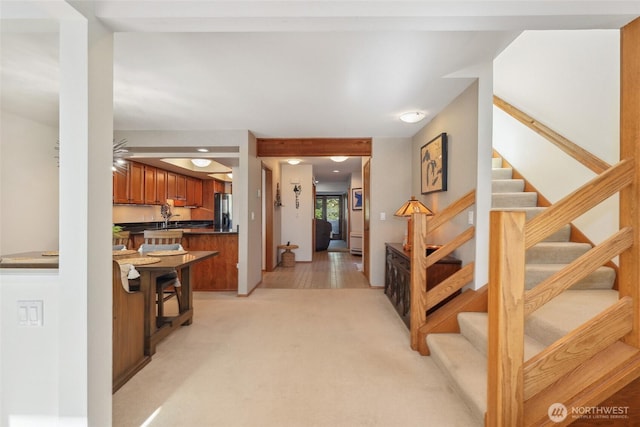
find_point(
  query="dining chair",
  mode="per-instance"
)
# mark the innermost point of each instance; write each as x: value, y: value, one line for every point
x: 121, y: 240
x: 167, y: 285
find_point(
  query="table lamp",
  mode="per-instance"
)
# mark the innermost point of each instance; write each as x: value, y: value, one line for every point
x: 410, y: 207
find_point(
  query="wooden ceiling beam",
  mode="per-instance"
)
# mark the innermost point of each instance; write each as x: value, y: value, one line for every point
x: 313, y: 147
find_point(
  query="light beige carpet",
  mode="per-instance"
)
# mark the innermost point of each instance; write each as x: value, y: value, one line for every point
x: 334, y: 357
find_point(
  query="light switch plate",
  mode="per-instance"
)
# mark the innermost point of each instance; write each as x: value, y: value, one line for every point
x: 30, y: 313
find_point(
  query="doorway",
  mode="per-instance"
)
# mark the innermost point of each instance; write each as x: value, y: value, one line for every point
x: 330, y: 207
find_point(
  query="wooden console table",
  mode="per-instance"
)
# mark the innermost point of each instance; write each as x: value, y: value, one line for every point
x: 397, y: 279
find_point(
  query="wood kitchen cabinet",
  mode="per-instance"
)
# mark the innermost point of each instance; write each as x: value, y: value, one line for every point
x: 161, y: 187
x: 218, y: 186
x: 172, y: 185
x: 148, y: 185
x: 150, y: 190
x: 135, y: 183
x: 219, y: 273
x: 155, y: 185
x: 194, y: 192
x: 120, y: 191
x: 181, y: 187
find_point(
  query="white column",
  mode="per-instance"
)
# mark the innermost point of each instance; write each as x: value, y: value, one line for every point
x: 86, y: 133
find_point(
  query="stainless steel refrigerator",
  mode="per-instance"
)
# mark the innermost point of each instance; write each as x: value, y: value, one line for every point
x: 222, y: 212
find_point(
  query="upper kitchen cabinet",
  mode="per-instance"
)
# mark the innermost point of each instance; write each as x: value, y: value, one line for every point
x: 150, y: 188
x: 172, y: 185
x: 181, y: 187
x: 161, y: 186
x: 120, y: 191
x: 135, y: 183
x: 194, y: 192
x: 148, y: 185
x: 128, y: 188
x: 177, y: 188
x: 155, y: 185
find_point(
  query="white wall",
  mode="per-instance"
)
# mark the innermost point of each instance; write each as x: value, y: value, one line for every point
x: 332, y: 187
x: 459, y: 120
x: 250, y: 247
x: 297, y: 223
x: 568, y: 80
x: 390, y: 188
x: 356, y: 225
x: 28, y: 185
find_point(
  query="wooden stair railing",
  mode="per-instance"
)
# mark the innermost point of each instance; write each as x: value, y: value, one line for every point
x: 580, y: 154
x: 421, y: 300
x: 515, y: 387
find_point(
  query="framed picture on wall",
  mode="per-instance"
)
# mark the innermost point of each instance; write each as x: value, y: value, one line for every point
x: 433, y: 165
x: 356, y: 199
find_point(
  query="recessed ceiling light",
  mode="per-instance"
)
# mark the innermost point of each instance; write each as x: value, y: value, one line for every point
x: 293, y: 161
x: 412, y: 116
x: 336, y: 171
x: 230, y: 175
x: 201, y: 163
x: 339, y: 158
x: 203, y: 150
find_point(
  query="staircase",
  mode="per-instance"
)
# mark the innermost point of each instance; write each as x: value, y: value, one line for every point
x: 463, y: 356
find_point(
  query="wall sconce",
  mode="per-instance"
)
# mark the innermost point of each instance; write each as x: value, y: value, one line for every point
x: 406, y: 210
x: 297, y: 189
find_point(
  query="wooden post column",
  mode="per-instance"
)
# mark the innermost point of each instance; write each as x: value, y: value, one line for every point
x: 505, y: 385
x: 629, y: 271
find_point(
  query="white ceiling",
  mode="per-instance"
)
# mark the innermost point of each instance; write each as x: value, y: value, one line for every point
x: 291, y: 68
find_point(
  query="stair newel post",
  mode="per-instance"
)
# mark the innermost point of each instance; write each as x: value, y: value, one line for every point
x: 505, y: 388
x: 419, y: 278
x: 629, y: 270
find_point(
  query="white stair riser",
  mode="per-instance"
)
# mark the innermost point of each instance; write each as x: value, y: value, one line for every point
x: 507, y: 185
x: 602, y: 278
x: 514, y: 200
x: 555, y: 252
x: 502, y: 173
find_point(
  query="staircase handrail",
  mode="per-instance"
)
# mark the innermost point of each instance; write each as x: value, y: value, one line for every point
x: 583, y: 156
x: 423, y: 227
x: 511, y: 381
x: 579, y: 202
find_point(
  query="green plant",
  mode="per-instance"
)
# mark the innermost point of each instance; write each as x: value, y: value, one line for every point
x: 116, y: 229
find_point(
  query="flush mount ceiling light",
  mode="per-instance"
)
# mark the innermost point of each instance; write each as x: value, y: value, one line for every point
x: 203, y: 150
x: 201, y: 163
x: 412, y: 116
x: 293, y: 161
x: 339, y: 159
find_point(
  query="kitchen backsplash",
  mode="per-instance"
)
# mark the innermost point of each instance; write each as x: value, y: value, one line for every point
x: 122, y: 214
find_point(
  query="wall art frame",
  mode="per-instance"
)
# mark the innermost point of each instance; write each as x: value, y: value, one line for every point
x: 356, y: 199
x: 433, y: 165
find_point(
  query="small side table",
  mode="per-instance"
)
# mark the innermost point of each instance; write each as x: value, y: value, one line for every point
x: 288, y: 257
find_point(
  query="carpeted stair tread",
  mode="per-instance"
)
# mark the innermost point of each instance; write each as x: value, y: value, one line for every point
x: 566, y: 312
x: 602, y: 278
x: 514, y: 200
x: 466, y: 368
x: 555, y: 252
x: 501, y: 173
x: 507, y: 185
x: 474, y: 326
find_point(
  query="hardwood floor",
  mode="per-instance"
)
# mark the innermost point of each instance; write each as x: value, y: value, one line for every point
x: 329, y: 270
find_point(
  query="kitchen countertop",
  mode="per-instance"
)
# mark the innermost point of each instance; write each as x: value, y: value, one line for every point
x: 193, y: 231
